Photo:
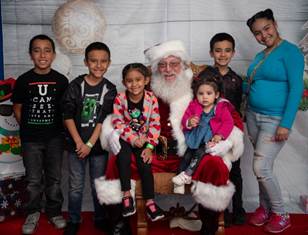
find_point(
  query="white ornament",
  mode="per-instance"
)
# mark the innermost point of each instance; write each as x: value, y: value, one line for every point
x: 77, y: 23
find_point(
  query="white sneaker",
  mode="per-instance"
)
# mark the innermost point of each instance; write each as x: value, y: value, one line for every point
x: 58, y: 221
x: 31, y: 223
x: 181, y: 179
x: 179, y: 189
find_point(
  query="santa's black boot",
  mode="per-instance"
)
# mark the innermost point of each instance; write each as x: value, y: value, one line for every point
x: 209, y: 220
x: 119, y: 224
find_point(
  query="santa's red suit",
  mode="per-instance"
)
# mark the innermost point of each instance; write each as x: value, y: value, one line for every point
x: 211, y: 187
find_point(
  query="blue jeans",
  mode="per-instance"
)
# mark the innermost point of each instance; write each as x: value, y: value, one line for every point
x: 261, y: 128
x: 43, y: 164
x: 77, y: 170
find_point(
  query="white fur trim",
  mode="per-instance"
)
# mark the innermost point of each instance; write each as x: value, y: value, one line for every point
x: 109, y: 191
x: 106, y: 131
x: 159, y: 51
x: 227, y: 162
x: 212, y: 197
x: 177, y: 110
x: 237, y: 139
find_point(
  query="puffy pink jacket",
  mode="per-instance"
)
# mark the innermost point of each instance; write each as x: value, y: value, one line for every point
x: 222, y: 122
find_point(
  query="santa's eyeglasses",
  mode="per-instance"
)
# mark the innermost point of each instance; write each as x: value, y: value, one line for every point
x: 171, y: 65
x: 6, y: 109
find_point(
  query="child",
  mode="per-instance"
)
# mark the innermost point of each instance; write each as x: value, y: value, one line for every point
x: 206, y: 121
x: 136, y: 118
x: 36, y: 104
x: 86, y: 103
x: 222, y: 47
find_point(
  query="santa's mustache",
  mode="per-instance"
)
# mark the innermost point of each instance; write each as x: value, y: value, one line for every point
x: 169, y: 74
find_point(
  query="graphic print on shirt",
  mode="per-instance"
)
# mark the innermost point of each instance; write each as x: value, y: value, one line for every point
x: 42, y: 103
x: 137, y: 120
x: 89, y: 114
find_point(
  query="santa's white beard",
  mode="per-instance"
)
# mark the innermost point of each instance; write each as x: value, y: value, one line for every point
x: 170, y: 91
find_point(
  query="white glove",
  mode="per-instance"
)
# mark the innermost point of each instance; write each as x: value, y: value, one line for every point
x: 114, y: 142
x: 220, y: 149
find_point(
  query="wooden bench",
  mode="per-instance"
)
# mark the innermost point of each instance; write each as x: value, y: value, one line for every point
x: 162, y: 185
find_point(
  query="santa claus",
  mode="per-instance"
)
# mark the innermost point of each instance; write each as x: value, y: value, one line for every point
x: 171, y: 82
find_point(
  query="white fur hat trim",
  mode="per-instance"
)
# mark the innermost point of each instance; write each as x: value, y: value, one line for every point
x: 159, y: 51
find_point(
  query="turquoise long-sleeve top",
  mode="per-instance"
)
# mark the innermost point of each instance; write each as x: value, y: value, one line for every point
x: 278, y: 85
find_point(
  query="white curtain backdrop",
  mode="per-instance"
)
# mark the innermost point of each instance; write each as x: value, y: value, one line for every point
x: 132, y: 26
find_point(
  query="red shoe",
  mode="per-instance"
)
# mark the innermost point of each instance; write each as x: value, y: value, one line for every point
x: 278, y: 223
x: 259, y: 217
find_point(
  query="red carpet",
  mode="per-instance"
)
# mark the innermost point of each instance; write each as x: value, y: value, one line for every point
x: 12, y: 226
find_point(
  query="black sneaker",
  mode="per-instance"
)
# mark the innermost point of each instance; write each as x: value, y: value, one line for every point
x: 154, y: 212
x: 128, y: 207
x: 71, y: 228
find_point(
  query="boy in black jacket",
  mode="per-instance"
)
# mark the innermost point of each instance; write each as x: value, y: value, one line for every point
x: 86, y: 103
x: 222, y: 47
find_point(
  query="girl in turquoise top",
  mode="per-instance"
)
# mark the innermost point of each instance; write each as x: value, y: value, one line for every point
x: 276, y: 87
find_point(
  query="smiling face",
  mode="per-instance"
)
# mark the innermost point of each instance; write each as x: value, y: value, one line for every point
x: 222, y: 53
x: 170, y: 67
x: 42, y: 55
x: 206, y: 96
x: 265, y: 32
x: 97, y: 62
x: 135, y: 83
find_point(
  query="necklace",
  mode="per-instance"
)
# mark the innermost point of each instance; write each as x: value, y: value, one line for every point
x: 266, y: 52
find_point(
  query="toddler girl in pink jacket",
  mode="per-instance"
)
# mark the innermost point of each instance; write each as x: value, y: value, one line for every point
x: 207, y: 120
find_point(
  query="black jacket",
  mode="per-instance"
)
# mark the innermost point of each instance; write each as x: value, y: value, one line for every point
x: 231, y: 85
x: 72, y: 103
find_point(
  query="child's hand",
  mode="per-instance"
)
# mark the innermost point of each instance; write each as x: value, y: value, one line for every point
x: 82, y: 150
x: 193, y: 121
x: 216, y: 138
x: 140, y: 142
x: 210, y: 144
x: 147, y: 155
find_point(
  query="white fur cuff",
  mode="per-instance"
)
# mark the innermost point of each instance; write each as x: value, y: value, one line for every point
x: 109, y: 191
x: 213, y: 197
x: 106, y: 131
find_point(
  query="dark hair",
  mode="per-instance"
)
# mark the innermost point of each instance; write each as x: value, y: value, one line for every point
x: 41, y: 37
x: 221, y: 37
x: 141, y: 68
x: 207, y: 77
x: 268, y: 14
x: 97, y: 46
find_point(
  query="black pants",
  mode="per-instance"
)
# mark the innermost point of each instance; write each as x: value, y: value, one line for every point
x: 191, y: 159
x: 43, y: 163
x: 144, y: 170
x: 118, y: 224
x: 209, y: 220
x: 236, y: 179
